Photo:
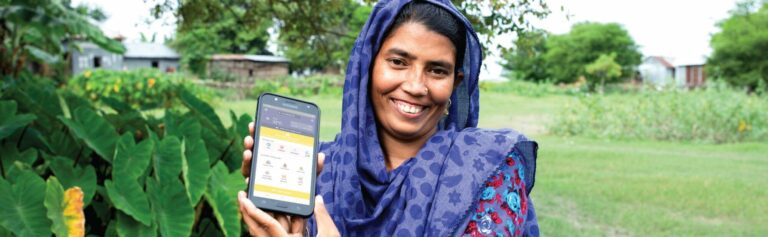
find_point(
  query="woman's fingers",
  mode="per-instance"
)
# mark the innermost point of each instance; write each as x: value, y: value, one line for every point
x: 283, y: 220
x: 320, y: 162
x: 298, y: 225
x: 253, y: 227
x: 250, y: 128
x: 260, y: 220
x: 245, y: 167
x: 325, y: 225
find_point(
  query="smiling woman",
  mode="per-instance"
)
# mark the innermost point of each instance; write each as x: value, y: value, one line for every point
x: 409, y: 160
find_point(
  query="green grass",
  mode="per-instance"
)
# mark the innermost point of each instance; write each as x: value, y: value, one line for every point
x: 595, y: 187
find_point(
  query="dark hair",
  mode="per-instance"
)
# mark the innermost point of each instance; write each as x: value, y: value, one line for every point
x: 436, y: 19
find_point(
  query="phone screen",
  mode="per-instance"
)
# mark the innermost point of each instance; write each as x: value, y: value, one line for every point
x: 284, y: 160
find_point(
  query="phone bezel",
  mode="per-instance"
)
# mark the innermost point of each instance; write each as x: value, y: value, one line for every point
x: 297, y: 105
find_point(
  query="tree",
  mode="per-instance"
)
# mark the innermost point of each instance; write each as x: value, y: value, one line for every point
x: 604, y: 69
x: 35, y: 31
x: 526, y: 60
x: 568, y: 55
x: 320, y: 33
x: 739, y: 48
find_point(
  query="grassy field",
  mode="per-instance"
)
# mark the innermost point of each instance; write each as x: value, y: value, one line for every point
x: 592, y: 187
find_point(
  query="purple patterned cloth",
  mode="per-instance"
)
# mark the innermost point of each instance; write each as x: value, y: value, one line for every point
x: 433, y: 193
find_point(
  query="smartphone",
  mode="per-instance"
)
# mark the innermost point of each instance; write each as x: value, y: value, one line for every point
x: 284, y: 155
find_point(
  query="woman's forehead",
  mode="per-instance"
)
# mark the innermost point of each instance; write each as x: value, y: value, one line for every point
x: 419, y: 42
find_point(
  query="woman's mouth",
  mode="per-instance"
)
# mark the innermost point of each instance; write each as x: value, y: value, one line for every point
x: 408, y: 108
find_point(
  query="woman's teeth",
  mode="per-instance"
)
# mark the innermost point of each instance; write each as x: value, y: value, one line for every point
x: 409, y: 108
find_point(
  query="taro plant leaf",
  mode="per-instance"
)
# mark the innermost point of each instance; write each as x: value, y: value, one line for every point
x: 21, y: 205
x: 41, y: 55
x: 9, y: 120
x: 127, y: 226
x: 199, y: 107
x: 168, y: 159
x: 40, y: 98
x: 65, y: 209
x: 181, y: 126
x: 94, y: 130
x: 173, y: 214
x: 131, y: 160
x: 72, y: 175
x: 222, y: 196
x: 10, y: 155
x: 195, y: 170
x: 128, y: 197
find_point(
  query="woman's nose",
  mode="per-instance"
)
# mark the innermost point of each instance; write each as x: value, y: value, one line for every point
x: 415, y: 84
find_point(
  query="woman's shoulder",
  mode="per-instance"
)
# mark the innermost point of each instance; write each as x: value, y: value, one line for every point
x: 507, y: 143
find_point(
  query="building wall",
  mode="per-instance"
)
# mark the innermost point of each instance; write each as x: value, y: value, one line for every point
x: 249, y: 70
x: 690, y: 75
x: 165, y: 65
x: 656, y: 73
x: 87, y: 59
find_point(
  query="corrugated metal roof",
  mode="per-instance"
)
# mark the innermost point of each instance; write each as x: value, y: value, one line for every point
x: 149, y: 50
x: 250, y: 57
x: 663, y: 61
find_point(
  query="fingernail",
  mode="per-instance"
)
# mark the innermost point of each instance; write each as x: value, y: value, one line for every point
x: 319, y: 199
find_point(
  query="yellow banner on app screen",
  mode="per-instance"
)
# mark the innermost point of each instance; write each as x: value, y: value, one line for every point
x: 286, y: 136
x: 280, y: 191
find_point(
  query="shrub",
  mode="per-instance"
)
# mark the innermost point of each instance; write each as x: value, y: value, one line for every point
x: 124, y: 174
x: 531, y: 89
x: 300, y: 86
x: 143, y: 88
x: 716, y: 114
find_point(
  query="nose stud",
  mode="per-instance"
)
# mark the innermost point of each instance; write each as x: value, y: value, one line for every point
x: 426, y: 90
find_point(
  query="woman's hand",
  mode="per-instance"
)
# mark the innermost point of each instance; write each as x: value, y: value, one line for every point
x: 262, y: 223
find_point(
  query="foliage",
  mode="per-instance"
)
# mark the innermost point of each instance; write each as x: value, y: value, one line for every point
x: 213, y: 27
x: 33, y: 31
x: 300, y: 86
x: 603, y: 69
x: 738, y: 49
x: 716, y: 114
x: 529, y: 89
x: 526, y: 61
x: 143, y: 88
x: 174, y: 175
x: 320, y: 34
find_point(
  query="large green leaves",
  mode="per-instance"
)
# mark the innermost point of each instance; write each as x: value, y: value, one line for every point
x: 130, y: 162
x: 222, y: 196
x: 195, y: 169
x: 127, y: 226
x: 170, y: 208
x: 21, y: 205
x: 94, y: 130
x: 167, y: 160
x: 10, y: 121
x: 72, y: 175
x: 65, y: 209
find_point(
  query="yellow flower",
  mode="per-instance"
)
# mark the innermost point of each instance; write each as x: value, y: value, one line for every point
x: 151, y: 82
x: 87, y: 74
x: 742, y: 126
x: 116, y: 88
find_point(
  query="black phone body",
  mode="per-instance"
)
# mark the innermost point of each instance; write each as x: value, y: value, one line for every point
x: 284, y: 161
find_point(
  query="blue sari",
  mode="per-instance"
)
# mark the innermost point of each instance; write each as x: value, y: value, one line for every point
x: 432, y: 194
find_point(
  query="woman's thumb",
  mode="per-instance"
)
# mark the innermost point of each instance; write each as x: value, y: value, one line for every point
x: 325, y: 225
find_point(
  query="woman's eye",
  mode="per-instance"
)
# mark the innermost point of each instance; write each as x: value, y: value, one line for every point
x: 438, y: 71
x: 396, y: 62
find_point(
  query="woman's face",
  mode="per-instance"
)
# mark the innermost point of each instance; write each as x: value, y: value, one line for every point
x: 412, y: 81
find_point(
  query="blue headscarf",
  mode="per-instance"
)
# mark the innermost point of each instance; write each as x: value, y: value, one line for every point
x: 432, y: 193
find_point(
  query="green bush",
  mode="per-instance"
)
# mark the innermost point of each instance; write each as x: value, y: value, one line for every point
x: 531, y: 89
x: 143, y: 88
x: 176, y: 175
x: 300, y: 86
x: 716, y: 114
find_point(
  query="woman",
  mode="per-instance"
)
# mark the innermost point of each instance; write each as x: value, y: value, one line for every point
x: 409, y: 160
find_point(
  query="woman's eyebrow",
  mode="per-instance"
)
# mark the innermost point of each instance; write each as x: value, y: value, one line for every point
x: 401, y: 53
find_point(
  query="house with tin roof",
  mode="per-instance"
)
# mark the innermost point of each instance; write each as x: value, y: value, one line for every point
x: 137, y: 55
x: 662, y: 71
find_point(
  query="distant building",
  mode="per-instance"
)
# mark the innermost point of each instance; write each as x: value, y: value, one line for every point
x: 660, y: 71
x: 690, y: 73
x: 657, y: 70
x: 91, y: 56
x: 249, y: 67
x: 137, y: 55
x: 150, y: 55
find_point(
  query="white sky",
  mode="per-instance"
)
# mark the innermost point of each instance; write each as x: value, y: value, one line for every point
x: 680, y: 29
